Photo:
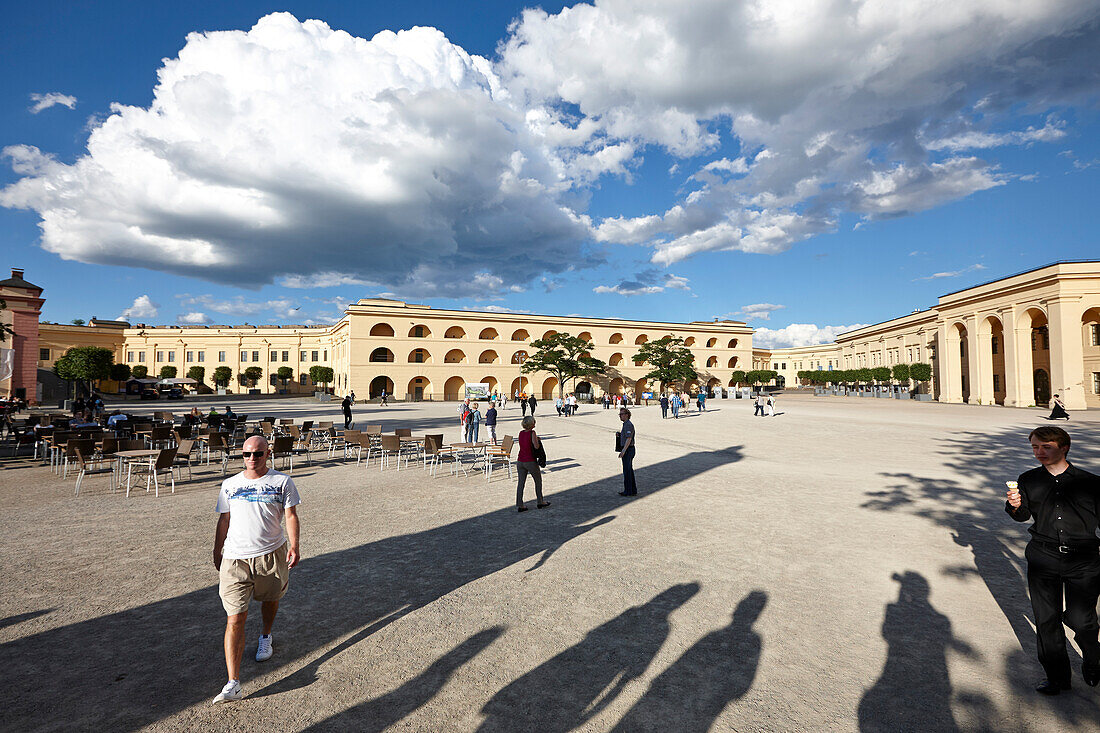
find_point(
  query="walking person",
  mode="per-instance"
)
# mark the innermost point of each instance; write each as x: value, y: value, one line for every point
x: 1059, y: 410
x: 532, y: 402
x: 771, y: 405
x: 352, y: 396
x: 558, y: 405
x: 676, y: 403
x: 491, y: 422
x: 473, y: 423
x: 252, y: 554
x: 1063, y: 556
x: 626, y: 443
x: 382, y: 399
x: 463, y: 411
x: 572, y: 404
x: 526, y: 464
x: 523, y: 404
x: 760, y: 402
x: 346, y: 407
x: 606, y: 402
x: 664, y: 406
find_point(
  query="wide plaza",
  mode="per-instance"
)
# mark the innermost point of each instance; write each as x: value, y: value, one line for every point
x: 845, y: 565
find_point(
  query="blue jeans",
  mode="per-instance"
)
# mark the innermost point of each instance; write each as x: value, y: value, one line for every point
x: 630, y: 487
x: 471, y: 432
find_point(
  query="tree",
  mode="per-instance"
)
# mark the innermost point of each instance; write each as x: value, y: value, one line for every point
x: 881, y: 374
x: 564, y: 356
x: 321, y: 375
x: 222, y: 375
x: 120, y: 372
x: 672, y: 362
x: 738, y: 376
x: 83, y: 364
x: 197, y: 373
x: 140, y: 371
x: 77, y: 321
x: 253, y: 375
x: 921, y: 373
x: 285, y: 374
x: 167, y: 372
x: 901, y: 373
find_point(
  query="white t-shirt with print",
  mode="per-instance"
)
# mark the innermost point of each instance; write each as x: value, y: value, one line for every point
x: 255, y: 507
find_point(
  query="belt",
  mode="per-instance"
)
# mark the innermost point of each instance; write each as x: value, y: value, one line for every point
x: 1067, y: 549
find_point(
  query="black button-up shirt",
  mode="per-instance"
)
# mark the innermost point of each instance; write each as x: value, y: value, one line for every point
x: 1066, y: 507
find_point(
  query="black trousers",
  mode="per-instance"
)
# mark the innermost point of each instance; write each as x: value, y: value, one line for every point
x: 1076, y: 576
x: 347, y: 420
x: 630, y: 486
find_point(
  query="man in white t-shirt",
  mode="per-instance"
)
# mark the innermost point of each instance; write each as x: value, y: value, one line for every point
x: 252, y: 554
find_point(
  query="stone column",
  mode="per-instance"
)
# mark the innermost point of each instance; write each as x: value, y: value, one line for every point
x: 1067, y: 373
x: 1012, y: 346
x: 950, y: 367
x: 981, y: 362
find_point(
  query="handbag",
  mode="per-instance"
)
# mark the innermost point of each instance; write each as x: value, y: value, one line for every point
x: 618, y: 442
x: 540, y: 455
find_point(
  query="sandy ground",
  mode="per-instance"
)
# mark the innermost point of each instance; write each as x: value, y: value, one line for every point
x: 846, y: 565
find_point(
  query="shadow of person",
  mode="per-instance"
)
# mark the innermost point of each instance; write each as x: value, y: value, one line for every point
x: 382, y: 712
x: 574, y: 686
x: 914, y: 690
x: 697, y: 687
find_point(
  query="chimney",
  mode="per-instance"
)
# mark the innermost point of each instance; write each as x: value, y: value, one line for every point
x: 17, y: 273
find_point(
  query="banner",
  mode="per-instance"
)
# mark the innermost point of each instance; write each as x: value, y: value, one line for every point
x: 478, y: 391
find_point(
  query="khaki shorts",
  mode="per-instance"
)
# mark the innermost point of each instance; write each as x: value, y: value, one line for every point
x: 264, y: 578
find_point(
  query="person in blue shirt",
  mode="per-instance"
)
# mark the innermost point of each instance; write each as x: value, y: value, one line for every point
x: 473, y: 422
x: 491, y: 422
x: 626, y: 454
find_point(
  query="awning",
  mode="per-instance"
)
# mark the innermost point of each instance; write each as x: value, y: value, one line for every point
x: 178, y: 380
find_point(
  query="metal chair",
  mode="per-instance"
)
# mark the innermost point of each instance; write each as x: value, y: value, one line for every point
x: 183, y: 454
x: 389, y: 445
x: 93, y: 465
x: 165, y: 463
x: 499, y: 454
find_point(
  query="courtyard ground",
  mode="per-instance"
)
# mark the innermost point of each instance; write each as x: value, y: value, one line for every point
x: 845, y: 565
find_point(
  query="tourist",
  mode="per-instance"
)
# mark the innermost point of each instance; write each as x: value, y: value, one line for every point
x: 214, y: 419
x: 771, y: 405
x: 572, y: 404
x: 532, y: 402
x: 116, y: 418
x: 346, y: 407
x: 606, y: 402
x: 352, y: 397
x: 701, y: 401
x: 382, y: 399
x: 526, y: 464
x: 229, y: 414
x: 523, y: 403
x: 78, y: 406
x: 558, y: 404
x: 676, y: 404
x: 1059, y: 410
x: 1063, y: 556
x: 252, y: 554
x: 463, y: 411
x: 491, y: 422
x: 194, y: 417
x: 473, y: 423
x: 626, y: 453
x: 760, y: 403
x: 664, y: 406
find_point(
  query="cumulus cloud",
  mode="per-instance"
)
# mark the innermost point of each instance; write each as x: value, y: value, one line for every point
x: 799, y: 334
x: 297, y: 150
x: 951, y: 273
x: 50, y: 99
x: 279, y: 308
x: 646, y: 282
x: 757, y: 311
x: 498, y: 309
x: 868, y: 118
x: 193, y: 318
x: 142, y: 307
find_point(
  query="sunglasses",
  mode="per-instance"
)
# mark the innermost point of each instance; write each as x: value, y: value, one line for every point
x: 250, y: 453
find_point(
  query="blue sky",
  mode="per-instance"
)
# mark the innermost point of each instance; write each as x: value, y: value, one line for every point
x: 616, y: 159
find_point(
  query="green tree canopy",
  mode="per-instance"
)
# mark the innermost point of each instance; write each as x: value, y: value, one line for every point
x: 77, y: 321
x: 168, y: 372
x: 285, y: 374
x: 222, y: 375
x: 881, y: 374
x: 253, y: 374
x: 738, y: 376
x: 921, y: 372
x: 83, y: 364
x: 321, y: 375
x: 140, y: 371
x: 120, y: 372
x: 672, y: 363
x: 901, y: 372
x: 564, y: 356
x: 197, y: 373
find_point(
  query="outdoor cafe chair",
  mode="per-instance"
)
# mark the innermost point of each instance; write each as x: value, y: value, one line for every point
x: 57, y: 448
x: 373, y: 430
x: 390, y: 445
x: 283, y: 447
x: 219, y: 443
x: 307, y: 425
x: 182, y: 432
x: 502, y: 453
x: 164, y: 463
x: 403, y: 432
x: 433, y: 452
x: 160, y: 436
x: 183, y: 454
x: 364, y: 442
x: 89, y: 464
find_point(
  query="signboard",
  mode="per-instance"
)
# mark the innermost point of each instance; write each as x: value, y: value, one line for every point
x: 647, y: 395
x: 477, y: 390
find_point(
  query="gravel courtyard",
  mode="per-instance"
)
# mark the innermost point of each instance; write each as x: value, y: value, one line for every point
x: 846, y: 565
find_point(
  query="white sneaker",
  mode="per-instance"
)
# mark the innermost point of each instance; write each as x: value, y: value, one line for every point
x: 232, y: 691
x: 265, y: 648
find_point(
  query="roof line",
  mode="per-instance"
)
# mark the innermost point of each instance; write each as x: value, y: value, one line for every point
x: 1022, y: 272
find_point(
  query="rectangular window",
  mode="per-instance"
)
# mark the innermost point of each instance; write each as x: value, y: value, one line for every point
x: 221, y: 356
x: 160, y: 356
x: 129, y: 356
x: 202, y: 356
x: 1095, y: 329
x: 996, y: 382
x: 314, y: 356
x: 993, y: 343
x: 43, y: 354
x: 1096, y: 382
x: 286, y: 356
x: 244, y: 356
x: 190, y: 357
x: 326, y: 355
x: 302, y: 378
x: 255, y: 356
x: 274, y: 356
x: 141, y: 357
x: 418, y: 332
x: 303, y: 356
x: 171, y: 356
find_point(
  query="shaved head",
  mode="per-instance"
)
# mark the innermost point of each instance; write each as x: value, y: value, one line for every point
x: 255, y: 442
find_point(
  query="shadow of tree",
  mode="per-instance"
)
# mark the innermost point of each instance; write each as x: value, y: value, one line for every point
x: 143, y: 664
x: 574, y: 686
x: 697, y: 687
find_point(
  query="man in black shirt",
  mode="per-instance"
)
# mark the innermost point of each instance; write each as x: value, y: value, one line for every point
x: 1063, y: 556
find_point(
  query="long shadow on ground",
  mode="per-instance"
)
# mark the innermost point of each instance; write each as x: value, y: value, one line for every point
x: 138, y: 666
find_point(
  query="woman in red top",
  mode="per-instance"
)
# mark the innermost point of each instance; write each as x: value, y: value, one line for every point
x: 526, y: 464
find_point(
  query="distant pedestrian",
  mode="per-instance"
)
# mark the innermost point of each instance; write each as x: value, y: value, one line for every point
x: 526, y: 464
x: 532, y: 402
x: 473, y: 423
x: 346, y: 407
x: 558, y: 405
x: 1059, y: 410
x: 352, y: 396
x: 676, y: 404
x: 382, y: 399
x: 771, y: 405
x: 760, y: 404
x: 522, y: 404
x: 572, y: 404
x: 700, y: 401
x: 664, y: 406
x: 491, y: 422
x: 606, y: 402
x: 463, y: 412
x: 626, y: 454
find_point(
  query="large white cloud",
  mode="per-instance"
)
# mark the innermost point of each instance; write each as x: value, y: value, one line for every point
x: 294, y: 149
x: 142, y: 307
x: 832, y: 106
x: 799, y: 334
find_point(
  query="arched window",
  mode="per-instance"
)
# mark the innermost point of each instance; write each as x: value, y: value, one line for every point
x: 381, y: 329
x: 381, y: 354
x: 689, y: 341
x: 419, y: 332
x: 732, y: 344
x: 519, y: 357
x: 520, y: 335
x: 732, y: 363
x: 455, y: 356
x: 615, y: 360
x: 454, y: 332
x: 712, y: 361
x: 488, y: 357
x: 616, y: 338
x: 711, y: 343
x: 489, y: 334
x: 641, y: 339
x: 549, y: 333
x: 420, y: 356
x: 585, y: 335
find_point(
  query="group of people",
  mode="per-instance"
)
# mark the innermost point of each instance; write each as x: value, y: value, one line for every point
x: 470, y: 420
x: 526, y: 402
x: 676, y: 402
x: 93, y: 405
x: 764, y: 405
x: 618, y: 400
x: 565, y: 406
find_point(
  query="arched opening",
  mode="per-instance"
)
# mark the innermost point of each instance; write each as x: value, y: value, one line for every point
x: 711, y: 343
x: 419, y: 389
x: 732, y: 363
x: 585, y: 335
x: 454, y: 388
x: 1042, y: 386
x: 1032, y: 354
x: 583, y: 390
x: 692, y: 387
x: 550, y: 388
x: 732, y: 344
x: 378, y: 384
x: 381, y: 354
x: 455, y: 356
x: 488, y: 334
x: 713, y: 386
x: 689, y: 341
x: 616, y: 338
x: 955, y: 359
x: 1090, y: 351
x: 519, y: 357
x: 420, y: 356
x: 381, y: 329
x: 488, y: 357
x: 492, y: 382
x: 615, y: 386
x: 639, y: 387
x: 712, y: 361
x: 549, y: 333
x: 990, y: 381
x: 419, y: 332
x: 521, y: 335
x: 454, y: 332
x: 615, y: 360
x: 642, y: 338
x: 519, y: 384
